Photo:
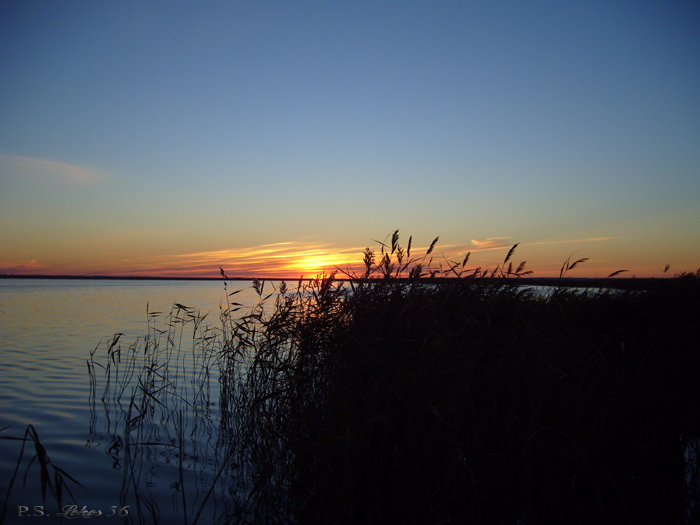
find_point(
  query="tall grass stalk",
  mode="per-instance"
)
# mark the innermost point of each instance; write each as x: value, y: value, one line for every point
x: 57, y: 483
x: 399, y: 397
x: 160, y: 415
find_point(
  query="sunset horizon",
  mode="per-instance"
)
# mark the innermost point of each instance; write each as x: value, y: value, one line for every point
x: 368, y: 261
x: 296, y: 260
x: 281, y: 140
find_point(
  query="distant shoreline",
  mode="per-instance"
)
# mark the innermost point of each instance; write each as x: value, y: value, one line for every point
x: 567, y: 282
x: 128, y: 278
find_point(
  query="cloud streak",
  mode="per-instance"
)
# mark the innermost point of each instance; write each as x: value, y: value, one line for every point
x: 591, y: 239
x: 491, y: 243
x: 288, y: 260
x: 58, y: 172
x: 22, y: 267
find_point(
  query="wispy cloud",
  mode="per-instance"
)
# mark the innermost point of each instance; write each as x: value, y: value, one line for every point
x: 491, y: 243
x: 590, y: 239
x: 286, y: 259
x: 52, y: 170
x: 289, y: 260
x: 22, y: 267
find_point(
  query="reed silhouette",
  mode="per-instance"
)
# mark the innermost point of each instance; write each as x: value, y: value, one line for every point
x: 473, y: 399
x: 403, y: 396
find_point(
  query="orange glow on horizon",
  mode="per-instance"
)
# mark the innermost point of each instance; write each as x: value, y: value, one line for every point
x: 294, y: 259
x: 288, y: 260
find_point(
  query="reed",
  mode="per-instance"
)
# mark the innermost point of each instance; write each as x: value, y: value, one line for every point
x: 399, y: 396
x: 472, y: 400
x: 51, y: 477
x: 160, y: 415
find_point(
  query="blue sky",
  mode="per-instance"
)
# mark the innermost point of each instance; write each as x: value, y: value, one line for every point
x: 174, y: 137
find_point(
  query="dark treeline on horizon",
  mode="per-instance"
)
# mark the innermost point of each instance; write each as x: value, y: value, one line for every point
x: 638, y: 283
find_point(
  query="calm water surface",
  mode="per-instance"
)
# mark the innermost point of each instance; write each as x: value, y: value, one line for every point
x: 48, y: 329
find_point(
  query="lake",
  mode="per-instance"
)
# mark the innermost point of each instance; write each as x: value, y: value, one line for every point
x: 139, y: 425
x: 48, y: 330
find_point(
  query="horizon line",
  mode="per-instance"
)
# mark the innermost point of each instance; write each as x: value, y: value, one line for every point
x: 572, y: 282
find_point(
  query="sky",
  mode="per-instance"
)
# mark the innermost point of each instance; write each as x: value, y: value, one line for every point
x: 283, y: 138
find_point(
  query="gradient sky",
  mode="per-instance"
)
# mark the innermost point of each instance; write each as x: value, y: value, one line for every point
x: 280, y: 138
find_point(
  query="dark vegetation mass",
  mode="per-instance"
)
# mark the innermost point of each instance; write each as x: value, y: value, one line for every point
x: 473, y: 400
x: 401, y: 396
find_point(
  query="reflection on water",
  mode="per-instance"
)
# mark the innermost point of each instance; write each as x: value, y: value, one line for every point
x: 134, y: 420
x: 153, y: 423
x: 158, y: 415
